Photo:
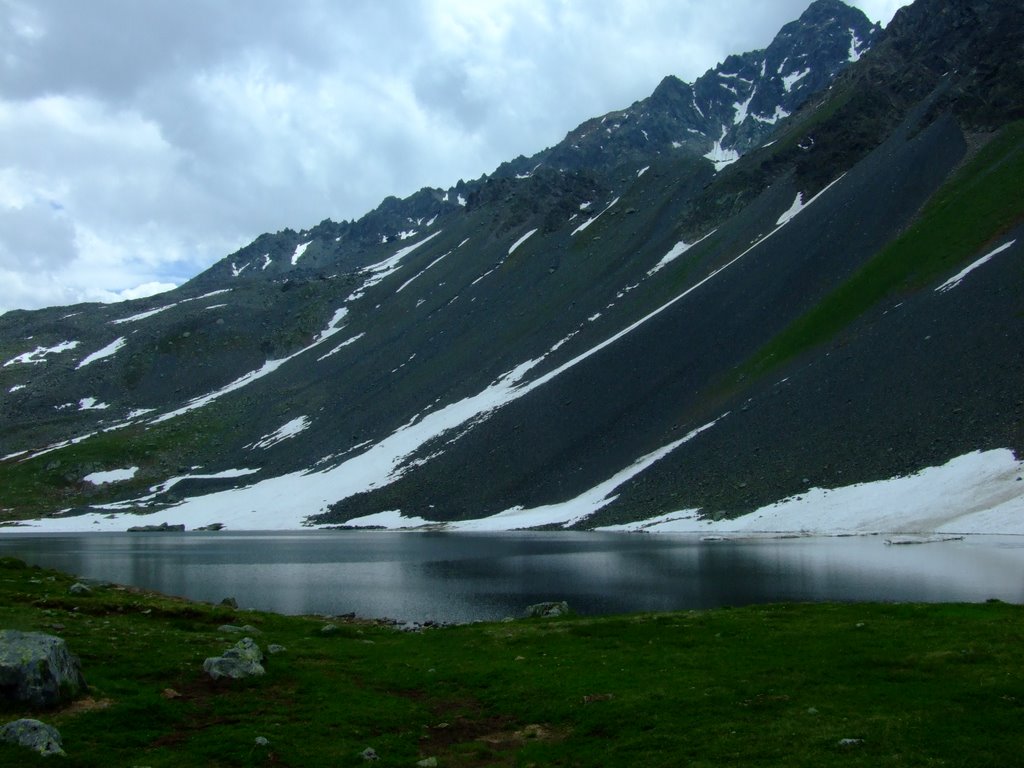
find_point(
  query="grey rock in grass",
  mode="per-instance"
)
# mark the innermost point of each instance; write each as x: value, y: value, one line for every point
x: 427, y: 762
x: 38, y: 669
x: 243, y: 659
x: 274, y: 648
x: 547, y: 610
x: 262, y: 741
x: 247, y: 629
x: 369, y: 754
x: 80, y: 589
x: 37, y: 736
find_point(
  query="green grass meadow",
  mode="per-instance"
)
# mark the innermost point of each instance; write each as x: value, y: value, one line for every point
x: 769, y: 685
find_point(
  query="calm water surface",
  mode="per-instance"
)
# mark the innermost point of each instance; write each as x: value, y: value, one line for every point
x: 457, y: 577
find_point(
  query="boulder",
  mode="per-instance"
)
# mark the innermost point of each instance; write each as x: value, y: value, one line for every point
x: 38, y: 669
x: 243, y: 659
x: 246, y: 629
x: 162, y: 528
x: 79, y: 589
x: 43, y: 738
x: 547, y: 610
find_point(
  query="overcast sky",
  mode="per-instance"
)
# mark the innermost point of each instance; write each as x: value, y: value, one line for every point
x: 143, y: 140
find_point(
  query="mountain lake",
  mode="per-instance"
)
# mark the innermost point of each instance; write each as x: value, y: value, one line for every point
x: 459, y: 577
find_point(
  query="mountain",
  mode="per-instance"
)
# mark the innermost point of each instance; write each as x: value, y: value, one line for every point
x: 801, y: 272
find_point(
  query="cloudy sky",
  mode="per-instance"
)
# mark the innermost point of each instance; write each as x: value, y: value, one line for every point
x: 143, y: 140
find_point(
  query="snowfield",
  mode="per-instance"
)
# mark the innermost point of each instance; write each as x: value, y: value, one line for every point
x: 978, y: 493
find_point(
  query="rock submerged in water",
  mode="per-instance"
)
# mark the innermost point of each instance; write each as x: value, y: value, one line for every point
x: 37, y: 736
x: 548, y: 610
x: 243, y: 659
x: 38, y: 669
x: 163, y: 527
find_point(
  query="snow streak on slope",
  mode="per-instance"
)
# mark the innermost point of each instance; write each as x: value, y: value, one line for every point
x: 676, y: 251
x: 956, y: 279
x: 284, y: 432
x: 158, y: 310
x: 592, y: 219
x: 382, y: 269
x: 569, y: 512
x: 246, y: 379
x: 520, y: 241
x: 107, y: 351
x: 974, y: 493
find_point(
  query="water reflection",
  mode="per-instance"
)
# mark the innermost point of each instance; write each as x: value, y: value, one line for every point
x: 463, y: 577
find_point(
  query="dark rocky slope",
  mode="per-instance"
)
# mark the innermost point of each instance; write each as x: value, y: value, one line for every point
x: 387, y: 343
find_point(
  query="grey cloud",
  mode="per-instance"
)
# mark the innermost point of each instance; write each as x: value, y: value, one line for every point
x: 35, y: 237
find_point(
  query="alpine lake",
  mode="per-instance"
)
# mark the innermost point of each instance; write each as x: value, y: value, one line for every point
x: 460, y: 577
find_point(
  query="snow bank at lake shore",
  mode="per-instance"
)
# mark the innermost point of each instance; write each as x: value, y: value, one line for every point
x: 978, y: 493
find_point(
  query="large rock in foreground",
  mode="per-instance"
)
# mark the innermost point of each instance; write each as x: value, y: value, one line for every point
x: 38, y: 669
x: 244, y: 659
x: 43, y: 738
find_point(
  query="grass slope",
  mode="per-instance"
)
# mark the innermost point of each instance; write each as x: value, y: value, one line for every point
x: 981, y: 202
x: 914, y: 685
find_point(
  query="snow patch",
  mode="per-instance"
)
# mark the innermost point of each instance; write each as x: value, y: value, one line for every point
x: 799, y: 204
x: 38, y: 355
x: 742, y: 108
x: 431, y: 264
x: 286, y: 431
x: 675, y: 252
x: 976, y: 493
x: 341, y: 346
x: 722, y: 157
x: 391, y: 519
x: 382, y: 269
x: 642, y: 171
x: 143, y: 315
x: 592, y: 219
x: 955, y: 280
x: 92, y: 404
x: 779, y: 114
x: 100, y: 354
x: 520, y: 241
x: 793, y: 78
x: 299, y: 250
x: 856, y: 51
x: 111, y: 476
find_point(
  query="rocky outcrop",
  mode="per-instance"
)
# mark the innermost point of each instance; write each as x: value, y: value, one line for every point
x: 244, y: 659
x: 549, y: 610
x: 38, y: 670
x: 37, y: 736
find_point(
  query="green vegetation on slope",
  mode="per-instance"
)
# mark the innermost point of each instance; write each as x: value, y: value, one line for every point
x: 981, y: 202
x: 771, y: 685
x: 53, y: 481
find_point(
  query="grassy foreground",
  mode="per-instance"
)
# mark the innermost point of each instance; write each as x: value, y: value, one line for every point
x: 777, y: 685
